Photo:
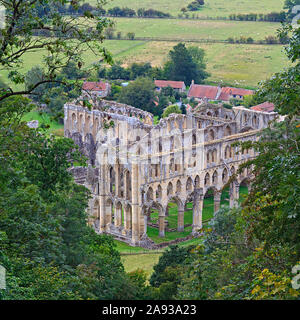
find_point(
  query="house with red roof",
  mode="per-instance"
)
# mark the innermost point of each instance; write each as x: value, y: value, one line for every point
x: 264, y: 107
x: 99, y: 89
x: 213, y: 93
x: 228, y: 93
x: 176, y: 85
x: 203, y: 92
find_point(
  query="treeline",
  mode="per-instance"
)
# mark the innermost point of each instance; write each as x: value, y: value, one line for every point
x: 152, y: 13
x: 268, y: 40
x: 112, y: 12
x: 269, y: 17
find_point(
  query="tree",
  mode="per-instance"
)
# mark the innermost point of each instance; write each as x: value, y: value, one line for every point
x: 198, y: 55
x: 23, y: 21
x: 171, y: 109
x: 109, y: 33
x: 139, y: 94
x: 131, y: 35
x: 140, y: 70
x: 289, y: 5
x: 118, y: 72
x: 182, y: 67
x: 169, y: 271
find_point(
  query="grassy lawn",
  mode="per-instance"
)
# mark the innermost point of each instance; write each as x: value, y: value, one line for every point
x: 140, y: 261
x: 207, y: 214
x: 55, y: 127
x: 212, y: 8
x: 148, y: 261
x: 195, y: 29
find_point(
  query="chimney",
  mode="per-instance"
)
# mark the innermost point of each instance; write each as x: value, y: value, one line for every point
x: 192, y: 83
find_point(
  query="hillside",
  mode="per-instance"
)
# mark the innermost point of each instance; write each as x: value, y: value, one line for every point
x: 212, y: 8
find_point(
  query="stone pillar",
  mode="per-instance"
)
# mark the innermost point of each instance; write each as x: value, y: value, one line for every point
x: 108, y: 215
x: 217, y: 201
x: 102, y: 182
x: 135, y: 202
x: 145, y: 223
x: 118, y: 216
x: 167, y: 211
x: 231, y: 195
x: 117, y: 179
x: 161, y: 223
x: 127, y: 218
x: 236, y: 194
x: 180, y: 226
x: 197, y: 210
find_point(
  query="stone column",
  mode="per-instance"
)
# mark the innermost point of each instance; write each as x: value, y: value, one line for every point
x: 145, y: 223
x: 180, y: 226
x: 108, y: 215
x: 231, y: 195
x: 127, y: 217
x: 197, y: 210
x: 118, y: 216
x: 161, y: 223
x: 117, y: 180
x: 236, y: 194
x: 135, y: 202
x: 102, y: 199
x: 217, y: 201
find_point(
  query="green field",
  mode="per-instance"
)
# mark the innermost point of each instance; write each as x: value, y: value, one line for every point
x: 43, y: 118
x: 212, y: 8
x: 238, y: 64
x: 195, y: 29
x: 145, y: 262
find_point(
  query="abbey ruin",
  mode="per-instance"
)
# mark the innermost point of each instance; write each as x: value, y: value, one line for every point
x: 135, y: 166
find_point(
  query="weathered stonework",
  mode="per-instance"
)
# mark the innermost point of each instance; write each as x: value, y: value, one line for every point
x: 136, y: 166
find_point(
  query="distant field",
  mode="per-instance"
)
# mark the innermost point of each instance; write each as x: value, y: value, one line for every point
x: 236, y: 64
x: 195, y: 29
x: 212, y: 8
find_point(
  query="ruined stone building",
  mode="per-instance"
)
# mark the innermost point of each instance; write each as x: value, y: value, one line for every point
x: 136, y: 166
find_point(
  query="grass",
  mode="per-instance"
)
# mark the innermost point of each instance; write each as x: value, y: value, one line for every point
x: 195, y: 29
x: 207, y: 214
x: 148, y: 261
x: 145, y: 262
x: 55, y: 127
x: 238, y: 64
x: 212, y: 8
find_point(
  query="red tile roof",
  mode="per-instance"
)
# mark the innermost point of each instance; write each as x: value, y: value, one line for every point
x: 227, y: 92
x: 265, y: 107
x: 216, y: 93
x: 201, y: 91
x: 94, y: 86
x: 172, y: 84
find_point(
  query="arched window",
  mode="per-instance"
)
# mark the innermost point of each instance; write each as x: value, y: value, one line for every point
x: 207, y: 179
x: 227, y: 131
x: 197, y: 182
x: 225, y: 176
x: 150, y: 194
x: 215, y: 177
x: 178, y: 186
x: 211, y: 135
x: 158, y: 192
x: 170, y: 189
x: 189, y: 184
